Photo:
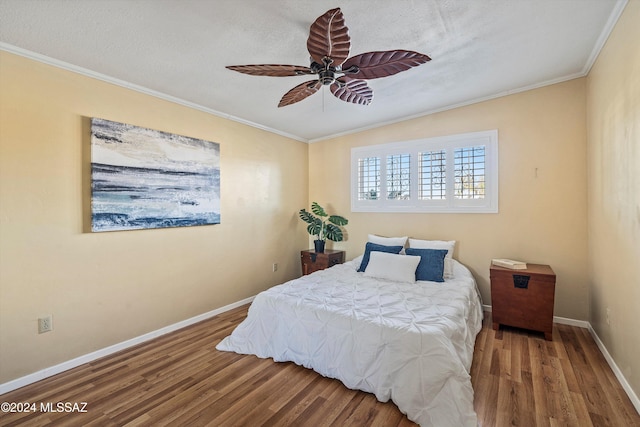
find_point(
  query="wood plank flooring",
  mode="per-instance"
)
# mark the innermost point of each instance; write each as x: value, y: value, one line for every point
x: 180, y: 379
x: 520, y: 379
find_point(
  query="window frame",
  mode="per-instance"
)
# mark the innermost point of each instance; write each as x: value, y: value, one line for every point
x: 450, y: 204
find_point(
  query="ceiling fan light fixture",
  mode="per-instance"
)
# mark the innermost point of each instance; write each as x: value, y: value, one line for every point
x: 329, y: 45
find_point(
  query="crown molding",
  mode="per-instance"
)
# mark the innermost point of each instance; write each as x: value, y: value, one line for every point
x: 137, y: 88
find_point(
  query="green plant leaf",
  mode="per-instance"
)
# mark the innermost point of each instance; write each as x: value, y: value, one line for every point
x: 307, y: 217
x: 338, y: 220
x: 315, y: 228
x: 333, y: 232
x: 318, y: 210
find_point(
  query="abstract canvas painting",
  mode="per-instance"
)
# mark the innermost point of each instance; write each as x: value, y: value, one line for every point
x: 143, y: 178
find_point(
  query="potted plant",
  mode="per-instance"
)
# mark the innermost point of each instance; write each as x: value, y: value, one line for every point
x: 323, y: 226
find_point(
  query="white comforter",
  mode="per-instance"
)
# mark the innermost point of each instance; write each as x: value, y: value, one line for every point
x: 411, y: 343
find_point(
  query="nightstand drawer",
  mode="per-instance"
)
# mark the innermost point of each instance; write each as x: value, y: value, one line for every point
x: 523, y: 298
x: 312, y: 261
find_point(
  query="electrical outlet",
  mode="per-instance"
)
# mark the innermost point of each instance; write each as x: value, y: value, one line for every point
x: 45, y: 324
x: 608, y: 316
x: 275, y: 267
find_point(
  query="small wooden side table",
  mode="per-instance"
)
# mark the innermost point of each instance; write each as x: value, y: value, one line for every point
x: 523, y: 298
x: 312, y: 261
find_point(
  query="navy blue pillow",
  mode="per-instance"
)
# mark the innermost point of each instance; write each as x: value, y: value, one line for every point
x: 369, y: 247
x: 431, y: 266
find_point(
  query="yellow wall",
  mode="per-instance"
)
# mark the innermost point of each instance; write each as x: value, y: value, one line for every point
x: 542, y: 219
x: 613, y: 97
x: 105, y: 288
x: 569, y: 197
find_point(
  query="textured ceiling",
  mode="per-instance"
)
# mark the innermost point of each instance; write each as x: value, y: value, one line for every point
x: 178, y: 49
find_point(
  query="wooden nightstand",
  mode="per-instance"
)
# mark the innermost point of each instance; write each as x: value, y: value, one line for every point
x: 312, y: 261
x: 523, y: 298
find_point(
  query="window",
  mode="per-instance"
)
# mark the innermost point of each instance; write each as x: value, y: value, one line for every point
x: 368, y: 178
x: 433, y: 177
x: 398, y: 177
x: 456, y: 173
x: 469, y: 172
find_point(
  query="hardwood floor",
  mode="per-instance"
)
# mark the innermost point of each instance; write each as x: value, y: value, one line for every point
x: 180, y: 379
x: 520, y: 379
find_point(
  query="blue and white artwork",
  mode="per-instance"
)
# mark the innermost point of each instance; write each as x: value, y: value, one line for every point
x: 143, y: 178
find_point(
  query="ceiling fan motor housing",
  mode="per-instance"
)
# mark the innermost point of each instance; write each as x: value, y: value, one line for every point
x: 326, y: 72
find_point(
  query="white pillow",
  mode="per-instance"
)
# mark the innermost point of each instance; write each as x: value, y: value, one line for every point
x: 449, y: 245
x: 388, y: 241
x: 399, y: 268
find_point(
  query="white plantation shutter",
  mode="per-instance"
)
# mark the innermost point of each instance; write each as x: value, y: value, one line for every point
x: 456, y: 173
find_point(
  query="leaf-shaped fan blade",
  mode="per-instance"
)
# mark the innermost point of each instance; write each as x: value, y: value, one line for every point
x: 354, y: 91
x: 272, y: 70
x: 373, y: 65
x: 300, y: 92
x: 329, y: 36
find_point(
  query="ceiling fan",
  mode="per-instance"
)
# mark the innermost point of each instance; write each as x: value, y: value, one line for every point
x: 329, y: 45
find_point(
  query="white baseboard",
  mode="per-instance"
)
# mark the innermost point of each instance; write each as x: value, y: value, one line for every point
x: 64, y: 366
x: 571, y: 322
x: 616, y: 371
x: 53, y: 370
x: 612, y: 364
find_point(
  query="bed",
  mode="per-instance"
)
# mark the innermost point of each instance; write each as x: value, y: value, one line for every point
x: 411, y: 342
